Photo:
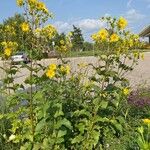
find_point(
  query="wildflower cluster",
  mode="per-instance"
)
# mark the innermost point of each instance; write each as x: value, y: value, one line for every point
x: 111, y: 34
x: 116, y: 37
x: 63, y: 45
x: 9, y: 47
x: 53, y: 69
x: 9, y: 30
x: 33, y: 4
x: 65, y: 69
x: 48, y: 31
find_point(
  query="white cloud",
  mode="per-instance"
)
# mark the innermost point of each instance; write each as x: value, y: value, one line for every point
x: 87, y: 25
x: 134, y: 16
x: 129, y: 3
x: 62, y: 26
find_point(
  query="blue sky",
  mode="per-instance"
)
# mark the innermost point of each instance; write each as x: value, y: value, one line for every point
x: 86, y: 13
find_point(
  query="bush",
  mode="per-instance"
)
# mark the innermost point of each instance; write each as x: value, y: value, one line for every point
x: 65, y: 110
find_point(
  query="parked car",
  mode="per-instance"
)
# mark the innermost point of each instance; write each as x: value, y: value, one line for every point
x: 20, y: 57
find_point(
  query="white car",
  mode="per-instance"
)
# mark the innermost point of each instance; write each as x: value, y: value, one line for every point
x: 20, y: 57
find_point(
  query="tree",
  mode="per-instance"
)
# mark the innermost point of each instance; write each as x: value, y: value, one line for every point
x: 10, y: 30
x: 88, y: 46
x: 77, y: 39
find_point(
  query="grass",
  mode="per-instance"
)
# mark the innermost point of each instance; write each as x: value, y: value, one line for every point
x: 83, y: 53
x: 91, y: 53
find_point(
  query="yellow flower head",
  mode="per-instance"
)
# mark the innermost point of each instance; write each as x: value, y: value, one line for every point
x: 62, y: 68
x: 130, y: 42
x: 103, y: 34
x: 50, y: 73
x: 70, y: 34
x: 114, y: 38
x: 126, y: 91
x: 142, y: 56
x: 52, y: 67
x: 32, y: 1
x: 122, y: 23
x: 25, y: 27
x: 4, y: 44
x: 7, y: 51
x: 49, y: 31
x: 62, y: 42
x: 40, y: 6
x: 136, y: 55
x: 67, y: 69
x: 146, y: 121
x: 19, y: 3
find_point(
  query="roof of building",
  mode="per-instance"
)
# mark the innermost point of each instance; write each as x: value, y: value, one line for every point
x: 145, y: 32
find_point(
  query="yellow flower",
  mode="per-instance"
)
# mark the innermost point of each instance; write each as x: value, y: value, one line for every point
x: 62, y: 68
x: 40, y: 6
x: 122, y: 23
x: 19, y: 3
x: 126, y: 91
x: 114, y: 38
x: 103, y: 34
x: 62, y: 42
x: 4, y: 44
x: 67, y: 69
x: 130, y: 42
x: 50, y: 73
x: 63, y: 48
x: 136, y: 55
x: 32, y: 1
x: 7, y: 52
x: 25, y: 27
x: 52, y: 67
x: 146, y: 121
x: 70, y: 34
x: 49, y: 31
x: 142, y: 56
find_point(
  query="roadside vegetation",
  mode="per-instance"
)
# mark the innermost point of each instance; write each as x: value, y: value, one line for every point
x: 65, y: 110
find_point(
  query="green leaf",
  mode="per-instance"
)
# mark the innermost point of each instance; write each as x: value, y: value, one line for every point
x: 37, y: 146
x: 117, y: 125
x: 95, y: 134
x: 40, y: 125
x: 1, y: 116
x: 81, y: 127
x: 81, y: 113
x: 60, y: 140
x: 100, y: 119
x: 38, y: 95
x: 64, y: 122
x: 58, y: 113
x: 77, y: 139
x: 61, y: 133
x: 104, y: 104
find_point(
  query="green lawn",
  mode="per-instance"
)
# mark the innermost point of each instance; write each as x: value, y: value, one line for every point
x: 91, y: 53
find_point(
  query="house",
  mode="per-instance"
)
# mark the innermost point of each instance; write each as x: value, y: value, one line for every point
x: 145, y: 33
